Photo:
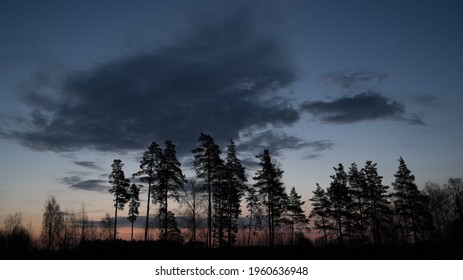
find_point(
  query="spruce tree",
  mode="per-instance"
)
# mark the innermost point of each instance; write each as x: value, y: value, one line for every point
x: 295, y: 215
x: 119, y: 189
x: 271, y: 189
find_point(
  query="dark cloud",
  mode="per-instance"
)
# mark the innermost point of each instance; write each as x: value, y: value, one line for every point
x: 76, y: 182
x: 277, y: 142
x: 88, y: 164
x: 354, y: 79
x: 221, y: 79
x: 367, y: 106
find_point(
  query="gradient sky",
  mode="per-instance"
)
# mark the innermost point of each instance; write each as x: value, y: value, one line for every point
x: 316, y: 82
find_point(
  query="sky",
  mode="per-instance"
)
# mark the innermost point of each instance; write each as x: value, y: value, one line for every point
x: 316, y: 82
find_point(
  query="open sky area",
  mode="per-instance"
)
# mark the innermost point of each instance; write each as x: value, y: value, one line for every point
x: 316, y: 82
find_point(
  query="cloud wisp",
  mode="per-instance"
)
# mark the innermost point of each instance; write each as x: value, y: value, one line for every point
x: 76, y: 182
x: 367, y: 106
x: 352, y: 80
x: 278, y: 142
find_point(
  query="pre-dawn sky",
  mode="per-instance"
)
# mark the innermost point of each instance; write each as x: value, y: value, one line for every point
x: 316, y: 82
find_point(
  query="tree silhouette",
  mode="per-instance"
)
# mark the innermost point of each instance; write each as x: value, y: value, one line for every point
x: 254, y: 206
x: 295, y: 214
x: 358, y: 191
x: 321, y: 212
x: 52, y: 222
x: 271, y: 189
x: 173, y: 232
x: 119, y: 189
x: 377, y: 209
x: 234, y: 181
x: 410, y: 204
x: 192, y: 195
x: 107, y: 226
x: 341, y: 202
x: 208, y: 166
x: 134, y: 203
x: 170, y: 179
x: 147, y: 174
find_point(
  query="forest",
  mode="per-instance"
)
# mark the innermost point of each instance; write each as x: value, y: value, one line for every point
x: 219, y: 215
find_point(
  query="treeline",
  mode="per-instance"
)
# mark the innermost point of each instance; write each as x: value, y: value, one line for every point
x: 356, y: 209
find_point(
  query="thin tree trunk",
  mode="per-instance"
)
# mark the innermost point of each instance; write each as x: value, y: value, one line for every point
x: 131, y: 233
x: 250, y: 226
x: 115, y: 222
x: 148, y: 210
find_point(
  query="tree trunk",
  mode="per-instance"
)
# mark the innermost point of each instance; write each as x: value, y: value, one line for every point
x: 115, y: 221
x: 131, y: 233
x: 148, y: 210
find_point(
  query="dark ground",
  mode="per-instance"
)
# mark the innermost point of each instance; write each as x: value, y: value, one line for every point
x: 152, y: 250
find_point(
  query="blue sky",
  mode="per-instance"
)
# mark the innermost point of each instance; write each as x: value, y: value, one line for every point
x: 316, y: 82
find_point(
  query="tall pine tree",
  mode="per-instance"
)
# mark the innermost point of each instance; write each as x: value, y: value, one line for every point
x: 268, y: 182
x: 410, y: 205
x: 234, y: 181
x: 170, y: 179
x: 119, y: 189
x: 208, y: 166
x: 148, y: 174
x: 377, y: 210
x: 134, y: 203
x: 358, y: 192
x: 341, y: 203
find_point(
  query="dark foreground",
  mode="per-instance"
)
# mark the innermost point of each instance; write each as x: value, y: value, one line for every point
x: 153, y: 250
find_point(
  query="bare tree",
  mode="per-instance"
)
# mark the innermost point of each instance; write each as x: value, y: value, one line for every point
x: 52, y: 223
x: 106, y: 227
x: 193, y: 197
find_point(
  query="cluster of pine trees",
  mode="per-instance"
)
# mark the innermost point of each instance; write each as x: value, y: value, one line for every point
x: 358, y: 209
x: 223, y: 185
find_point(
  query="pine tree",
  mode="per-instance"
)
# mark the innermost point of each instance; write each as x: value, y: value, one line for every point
x: 148, y: 174
x: 358, y: 191
x: 170, y: 179
x: 321, y: 212
x: 295, y: 214
x: 271, y: 189
x: 410, y: 204
x: 134, y: 203
x: 341, y: 203
x: 208, y: 166
x: 377, y: 210
x: 234, y: 182
x: 119, y: 189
